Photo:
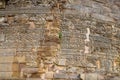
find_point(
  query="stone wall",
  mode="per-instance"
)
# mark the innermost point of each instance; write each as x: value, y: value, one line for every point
x: 82, y: 38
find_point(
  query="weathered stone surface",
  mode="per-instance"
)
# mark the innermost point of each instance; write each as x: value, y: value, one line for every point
x: 62, y: 62
x: 21, y: 59
x: 2, y: 37
x: 5, y: 74
x: 103, y: 18
x: 5, y: 68
x: 91, y: 76
x: 34, y: 35
x: 60, y: 76
x: 49, y: 75
x: 74, y: 76
x: 33, y: 79
x: 7, y: 52
x: 116, y: 78
x: 6, y: 59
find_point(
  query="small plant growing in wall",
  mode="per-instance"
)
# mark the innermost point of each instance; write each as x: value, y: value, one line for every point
x: 118, y: 62
x: 60, y: 35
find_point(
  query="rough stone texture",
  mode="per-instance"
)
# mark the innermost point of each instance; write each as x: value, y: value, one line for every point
x: 92, y: 76
x: 60, y: 40
x: 49, y: 75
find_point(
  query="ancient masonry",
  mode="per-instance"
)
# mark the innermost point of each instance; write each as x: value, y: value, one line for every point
x: 59, y: 40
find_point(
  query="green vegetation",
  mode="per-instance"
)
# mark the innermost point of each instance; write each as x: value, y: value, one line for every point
x: 118, y: 62
x: 60, y: 35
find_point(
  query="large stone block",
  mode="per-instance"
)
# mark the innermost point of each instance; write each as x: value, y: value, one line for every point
x: 115, y: 78
x: 6, y: 59
x: 7, y: 52
x: 92, y: 76
x: 7, y: 44
x: 7, y: 75
x: 103, y: 18
x: 5, y: 67
x: 60, y: 76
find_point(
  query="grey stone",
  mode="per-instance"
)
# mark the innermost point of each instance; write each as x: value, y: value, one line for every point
x: 74, y: 76
x: 2, y: 37
x: 103, y: 17
x: 60, y: 76
x: 115, y: 78
x: 92, y: 76
x: 72, y: 70
x: 7, y: 52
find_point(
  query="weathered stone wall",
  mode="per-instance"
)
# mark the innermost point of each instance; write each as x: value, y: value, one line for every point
x: 87, y: 31
x: 23, y: 36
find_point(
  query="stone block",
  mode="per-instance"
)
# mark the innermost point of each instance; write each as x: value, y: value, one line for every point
x: 115, y: 78
x: 48, y: 48
x: 49, y: 75
x: 34, y: 79
x: 60, y: 76
x: 15, y: 67
x: 32, y: 64
x: 8, y: 44
x: 103, y: 18
x: 21, y: 59
x: 73, y: 76
x: 49, y: 18
x: 6, y: 59
x: 5, y: 67
x: 6, y: 75
x: 72, y: 70
x: 7, y: 52
x: 2, y: 37
x: 2, y: 4
x: 62, y: 62
x: 92, y: 76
